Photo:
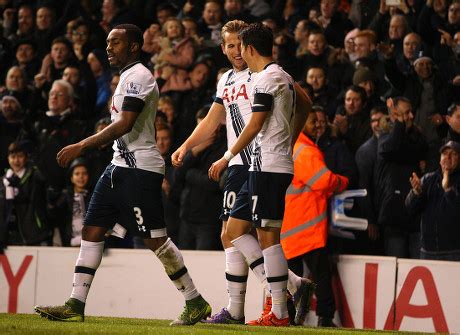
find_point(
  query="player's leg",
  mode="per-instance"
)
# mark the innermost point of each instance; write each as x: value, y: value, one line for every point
x: 236, y: 269
x: 100, y: 217
x: 144, y: 209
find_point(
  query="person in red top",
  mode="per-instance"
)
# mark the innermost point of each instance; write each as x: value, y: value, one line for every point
x: 304, y: 229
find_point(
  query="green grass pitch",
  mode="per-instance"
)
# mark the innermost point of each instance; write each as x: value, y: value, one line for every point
x: 30, y: 324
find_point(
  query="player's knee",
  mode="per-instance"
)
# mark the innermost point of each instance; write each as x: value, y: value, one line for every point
x: 154, y: 243
x: 93, y: 233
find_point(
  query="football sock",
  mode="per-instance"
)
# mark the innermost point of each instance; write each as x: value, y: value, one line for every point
x: 88, y: 261
x: 276, y: 269
x: 250, y: 248
x: 294, y: 282
x: 173, y: 262
x: 236, y: 273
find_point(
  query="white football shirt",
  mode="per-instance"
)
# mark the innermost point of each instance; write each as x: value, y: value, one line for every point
x: 137, y: 149
x: 233, y: 92
x: 273, y: 91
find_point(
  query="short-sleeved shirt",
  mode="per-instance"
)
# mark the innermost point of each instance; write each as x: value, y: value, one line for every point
x: 137, y: 91
x: 233, y: 92
x: 273, y: 91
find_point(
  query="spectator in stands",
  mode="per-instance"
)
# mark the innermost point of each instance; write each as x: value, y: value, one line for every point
x: 210, y: 23
x: 69, y: 209
x: 337, y: 157
x: 366, y: 161
x: 81, y: 43
x: 368, y: 56
x: 318, y: 51
x: 400, y: 150
x: 84, y: 90
x: 321, y: 93
x: 54, y: 63
x: 16, y: 85
x: 352, y: 120
x: 115, y: 12
x: 165, y: 11
x: 201, y: 197
x: 436, y: 197
x: 55, y: 129
x: 99, y: 65
x: 349, y: 45
x: 437, y: 15
x: 177, y: 50
x: 453, y: 120
x: 11, y: 118
x: 306, y: 243
x: 364, y: 78
x: 427, y: 90
x: 284, y: 55
x: 22, y: 202
x: 234, y: 10
x: 164, y: 139
x: 26, y: 58
x: 412, y: 46
x: 25, y: 23
x: 166, y: 107
x: 301, y: 33
x: 44, y: 34
x: 334, y: 23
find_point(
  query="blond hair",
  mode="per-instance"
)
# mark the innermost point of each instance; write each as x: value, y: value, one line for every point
x: 234, y: 26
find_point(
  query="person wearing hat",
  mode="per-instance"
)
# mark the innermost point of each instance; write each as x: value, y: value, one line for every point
x: 366, y: 79
x: 436, y: 197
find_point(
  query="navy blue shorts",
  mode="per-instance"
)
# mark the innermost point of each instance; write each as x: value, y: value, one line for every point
x: 263, y: 198
x: 131, y: 198
x: 236, y: 177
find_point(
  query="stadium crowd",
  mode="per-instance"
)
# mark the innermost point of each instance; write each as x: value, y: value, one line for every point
x: 350, y: 56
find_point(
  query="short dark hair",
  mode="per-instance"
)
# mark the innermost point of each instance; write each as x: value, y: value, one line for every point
x: 379, y: 109
x: 16, y: 147
x: 133, y: 32
x: 398, y: 100
x: 259, y: 37
x: 359, y: 90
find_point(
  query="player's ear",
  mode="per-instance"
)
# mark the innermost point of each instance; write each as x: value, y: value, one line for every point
x: 134, y: 47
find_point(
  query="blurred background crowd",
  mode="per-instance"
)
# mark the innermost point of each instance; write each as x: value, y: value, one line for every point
x: 349, y: 55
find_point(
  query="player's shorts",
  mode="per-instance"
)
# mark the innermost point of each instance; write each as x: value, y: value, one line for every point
x: 263, y: 198
x: 236, y: 177
x: 131, y: 198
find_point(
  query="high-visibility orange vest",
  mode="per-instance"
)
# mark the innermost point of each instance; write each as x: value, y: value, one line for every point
x: 305, y: 217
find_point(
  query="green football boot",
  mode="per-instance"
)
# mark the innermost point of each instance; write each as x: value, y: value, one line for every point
x: 72, y: 311
x: 195, y: 310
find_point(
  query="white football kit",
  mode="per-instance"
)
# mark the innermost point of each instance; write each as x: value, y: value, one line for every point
x: 233, y: 92
x: 273, y: 91
x: 137, y: 149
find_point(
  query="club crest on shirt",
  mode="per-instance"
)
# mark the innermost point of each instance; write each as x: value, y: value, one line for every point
x: 133, y: 88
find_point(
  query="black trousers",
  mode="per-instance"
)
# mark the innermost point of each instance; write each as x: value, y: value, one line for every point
x: 319, y: 265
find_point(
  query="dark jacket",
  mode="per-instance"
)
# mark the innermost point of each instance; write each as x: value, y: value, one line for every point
x: 440, y: 211
x: 24, y: 220
x: 366, y: 161
x: 399, y: 154
x: 201, y: 197
x: 339, y: 26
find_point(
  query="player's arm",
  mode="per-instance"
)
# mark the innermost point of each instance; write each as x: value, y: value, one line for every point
x: 201, y: 133
x: 262, y: 106
x: 302, y: 109
x: 128, y: 116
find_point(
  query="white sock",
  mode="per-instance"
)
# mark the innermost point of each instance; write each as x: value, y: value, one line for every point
x: 276, y: 269
x: 236, y: 273
x: 88, y: 261
x: 293, y: 283
x: 172, y: 260
x: 250, y: 248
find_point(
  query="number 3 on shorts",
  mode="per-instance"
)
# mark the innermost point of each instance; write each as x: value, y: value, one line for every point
x: 138, y: 214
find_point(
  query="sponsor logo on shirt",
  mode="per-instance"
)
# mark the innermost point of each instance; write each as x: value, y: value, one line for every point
x: 133, y: 88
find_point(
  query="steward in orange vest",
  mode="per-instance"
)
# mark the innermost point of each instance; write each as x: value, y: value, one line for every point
x: 305, y: 216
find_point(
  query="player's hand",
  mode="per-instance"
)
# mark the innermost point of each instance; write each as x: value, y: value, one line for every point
x: 217, y: 168
x: 416, y: 184
x: 177, y: 158
x: 68, y: 154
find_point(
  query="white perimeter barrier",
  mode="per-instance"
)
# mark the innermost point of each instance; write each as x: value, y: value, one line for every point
x: 371, y: 292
